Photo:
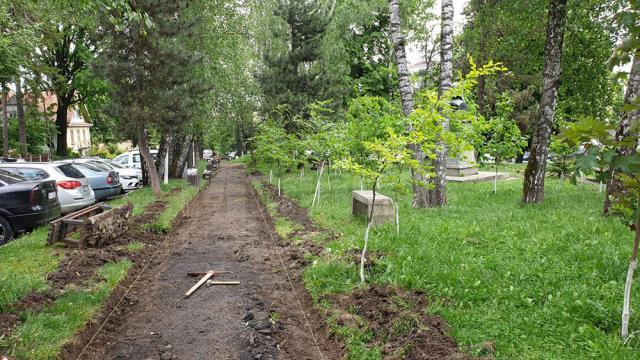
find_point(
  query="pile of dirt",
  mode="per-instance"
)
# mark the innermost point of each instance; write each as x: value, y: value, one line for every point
x: 294, y: 212
x: 34, y: 302
x: 80, y: 265
x: 372, y: 259
x: 291, y: 210
x: 31, y: 302
x: 7, y: 323
x: 400, y: 321
x: 151, y: 212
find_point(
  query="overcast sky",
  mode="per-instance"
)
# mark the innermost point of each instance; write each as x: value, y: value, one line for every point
x: 413, y: 55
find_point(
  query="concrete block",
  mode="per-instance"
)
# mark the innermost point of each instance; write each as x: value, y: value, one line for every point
x: 383, y: 207
x: 482, y: 176
x: 461, y: 170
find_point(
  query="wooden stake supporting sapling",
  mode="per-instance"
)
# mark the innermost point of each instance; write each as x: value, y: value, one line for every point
x: 329, y: 174
x: 633, y: 264
x: 366, y: 233
x: 316, y: 195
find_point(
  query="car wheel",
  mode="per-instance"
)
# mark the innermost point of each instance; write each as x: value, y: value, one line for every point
x: 6, y: 231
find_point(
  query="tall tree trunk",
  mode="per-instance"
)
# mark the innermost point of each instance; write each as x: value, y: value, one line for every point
x: 5, y: 124
x: 61, y: 126
x: 22, y: 132
x: 166, y: 145
x: 482, y: 80
x: 615, y: 187
x: 181, y: 157
x: 175, y: 155
x: 406, y: 95
x: 533, y: 189
x: 143, y: 145
x: 437, y: 195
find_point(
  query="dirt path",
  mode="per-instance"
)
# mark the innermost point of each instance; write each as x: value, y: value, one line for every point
x: 224, y: 231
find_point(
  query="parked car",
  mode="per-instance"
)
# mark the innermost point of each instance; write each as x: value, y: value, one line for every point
x: 25, y: 204
x: 73, y: 187
x: 131, y: 159
x: 130, y: 178
x: 105, y: 183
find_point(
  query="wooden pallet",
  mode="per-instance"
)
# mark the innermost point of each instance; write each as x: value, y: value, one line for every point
x: 64, y: 229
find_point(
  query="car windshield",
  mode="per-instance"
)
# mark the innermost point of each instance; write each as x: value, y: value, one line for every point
x: 70, y: 171
x: 10, y: 178
x: 122, y: 159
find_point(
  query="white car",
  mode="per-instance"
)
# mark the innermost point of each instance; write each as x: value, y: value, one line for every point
x: 74, y: 191
x: 131, y: 159
x: 130, y: 178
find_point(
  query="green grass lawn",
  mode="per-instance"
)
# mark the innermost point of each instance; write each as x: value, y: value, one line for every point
x: 24, y: 264
x: 542, y: 282
x: 42, y: 335
x: 142, y: 197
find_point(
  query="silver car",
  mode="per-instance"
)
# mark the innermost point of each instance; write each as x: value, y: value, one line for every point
x: 130, y: 178
x: 73, y: 187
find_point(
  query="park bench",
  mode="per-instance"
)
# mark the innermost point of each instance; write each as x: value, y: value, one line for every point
x: 383, y: 207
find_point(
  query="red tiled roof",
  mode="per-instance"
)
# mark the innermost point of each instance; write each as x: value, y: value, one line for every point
x: 47, y: 101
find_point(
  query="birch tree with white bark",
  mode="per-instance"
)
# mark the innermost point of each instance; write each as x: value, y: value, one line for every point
x: 534, y: 175
x: 420, y: 195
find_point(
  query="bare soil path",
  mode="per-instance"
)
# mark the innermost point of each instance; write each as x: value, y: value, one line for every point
x: 259, y: 319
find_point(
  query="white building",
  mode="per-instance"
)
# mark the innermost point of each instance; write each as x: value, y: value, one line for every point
x: 78, y: 134
x: 78, y: 130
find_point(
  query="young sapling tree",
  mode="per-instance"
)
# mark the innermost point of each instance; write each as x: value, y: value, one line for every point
x: 562, y: 162
x: 326, y: 145
x: 384, y: 154
x: 500, y: 137
x: 368, y: 118
x: 273, y: 147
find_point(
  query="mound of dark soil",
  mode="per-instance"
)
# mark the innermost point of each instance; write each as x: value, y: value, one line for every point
x: 34, y: 302
x: 7, y: 323
x: 291, y: 210
x: 400, y: 322
x: 80, y: 265
x: 151, y: 212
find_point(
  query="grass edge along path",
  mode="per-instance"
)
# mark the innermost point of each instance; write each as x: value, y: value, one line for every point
x: 537, y: 282
x: 28, y: 261
x: 356, y: 338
